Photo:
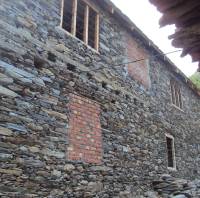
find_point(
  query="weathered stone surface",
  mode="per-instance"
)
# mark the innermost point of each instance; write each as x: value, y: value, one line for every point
x: 6, y: 92
x: 16, y: 172
x: 16, y: 127
x: 95, y: 187
x: 34, y: 149
x: 56, y: 173
x: 53, y: 153
x: 69, y: 167
x: 55, y: 114
x: 176, y: 188
x: 27, y: 22
x: 34, y: 127
x: 5, y: 131
x: 47, y: 66
x: 5, y: 80
x: 4, y: 156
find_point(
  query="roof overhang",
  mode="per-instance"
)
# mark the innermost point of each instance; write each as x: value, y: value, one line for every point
x: 185, y: 14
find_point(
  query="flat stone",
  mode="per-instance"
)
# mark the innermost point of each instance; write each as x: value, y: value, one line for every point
x: 21, y: 75
x: 7, y: 92
x: 39, y: 81
x: 16, y: 127
x: 30, y: 162
x: 56, y: 173
x: 49, y: 99
x: 16, y: 172
x: 53, y: 153
x: 34, y: 163
x: 23, y: 118
x: 5, y: 131
x: 94, y: 187
x: 27, y: 22
x: 61, y: 48
x: 46, y: 79
x: 34, y: 127
x: 24, y: 105
x: 69, y: 167
x: 55, y: 114
x: 179, y: 196
x: 5, y: 80
x: 17, y: 74
x: 34, y: 149
x: 5, y: 156
x: 100, y: 168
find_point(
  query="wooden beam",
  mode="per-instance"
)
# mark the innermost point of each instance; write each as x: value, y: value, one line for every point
x: 92, y: 5
x: 178, y: 11
x: 62, y: 13
x: 74, y: 16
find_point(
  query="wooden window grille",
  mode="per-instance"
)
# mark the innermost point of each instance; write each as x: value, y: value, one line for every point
x: 176, y: 94
x: 81, y: 20
x: 170, y: 152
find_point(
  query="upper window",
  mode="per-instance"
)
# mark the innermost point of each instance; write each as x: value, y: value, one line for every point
x: 176, y: 94
x: 82, y: 21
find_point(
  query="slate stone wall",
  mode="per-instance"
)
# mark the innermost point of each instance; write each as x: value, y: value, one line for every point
x: 41, y: 66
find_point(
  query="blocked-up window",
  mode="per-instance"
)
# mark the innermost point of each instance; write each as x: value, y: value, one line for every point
x: 170, y: 151
x: 176, y: 93
x: 84, y: 134
x: 81, y: 20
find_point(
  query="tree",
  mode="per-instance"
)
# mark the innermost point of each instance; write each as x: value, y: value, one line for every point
x: 195, y: 78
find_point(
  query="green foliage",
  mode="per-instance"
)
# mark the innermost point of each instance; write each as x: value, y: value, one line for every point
x: 195, y: 78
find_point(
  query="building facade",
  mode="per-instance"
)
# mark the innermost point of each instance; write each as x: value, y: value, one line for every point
x: 89, y: 106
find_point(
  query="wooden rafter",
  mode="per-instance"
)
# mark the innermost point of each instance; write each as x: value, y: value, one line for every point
x: 185, y: 14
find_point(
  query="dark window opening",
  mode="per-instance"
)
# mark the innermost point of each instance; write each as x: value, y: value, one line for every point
x: 67, y: 15
x: 170, y: 152
x: 91, y: 28
x: 80, y: 20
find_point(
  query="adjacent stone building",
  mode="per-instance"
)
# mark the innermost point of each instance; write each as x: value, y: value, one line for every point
x: 89, y: 106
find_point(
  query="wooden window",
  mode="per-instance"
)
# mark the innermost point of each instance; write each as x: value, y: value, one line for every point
x: 176, y: 94
x: 170, y: 152
x: 81, y: 20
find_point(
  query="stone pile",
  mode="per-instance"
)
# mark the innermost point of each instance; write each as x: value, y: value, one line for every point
x: 170, y: 187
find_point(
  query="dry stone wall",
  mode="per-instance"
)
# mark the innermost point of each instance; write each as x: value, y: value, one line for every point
x: 168, y: 186
x: 41, y: 66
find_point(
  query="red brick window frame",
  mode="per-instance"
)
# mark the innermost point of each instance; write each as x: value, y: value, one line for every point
x: 85, y: 135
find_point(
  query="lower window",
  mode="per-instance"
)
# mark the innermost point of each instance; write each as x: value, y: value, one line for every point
x: 171, y: 161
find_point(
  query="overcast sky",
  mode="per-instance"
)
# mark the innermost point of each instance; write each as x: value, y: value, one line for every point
x: 146, y: 18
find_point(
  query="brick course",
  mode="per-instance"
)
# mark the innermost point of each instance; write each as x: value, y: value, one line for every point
x: 84, y: 135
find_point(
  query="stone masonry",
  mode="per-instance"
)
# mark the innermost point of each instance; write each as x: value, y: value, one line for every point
x: 75, y: 125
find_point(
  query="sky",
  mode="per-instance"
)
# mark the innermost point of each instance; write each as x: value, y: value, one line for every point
x: 146, y: 18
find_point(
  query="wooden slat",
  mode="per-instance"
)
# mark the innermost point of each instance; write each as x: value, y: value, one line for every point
x: 74, y: 13
x: 97, y: 32
x: 86, y: 20
x: 62, y: 13
x: 91, y: 5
